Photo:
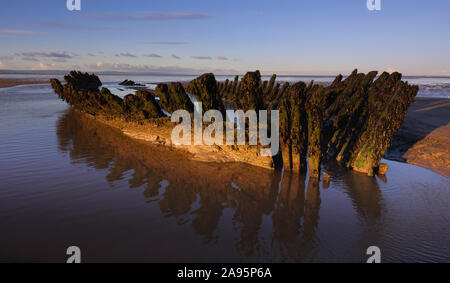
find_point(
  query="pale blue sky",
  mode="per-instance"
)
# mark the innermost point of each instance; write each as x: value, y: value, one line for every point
x: 319, y: 37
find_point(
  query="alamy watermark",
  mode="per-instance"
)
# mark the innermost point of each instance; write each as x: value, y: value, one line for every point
x: 258, y: 128
x: 373, y: 5
x: 375, y: 254
x: 73, y: 5
x: 75, y: 254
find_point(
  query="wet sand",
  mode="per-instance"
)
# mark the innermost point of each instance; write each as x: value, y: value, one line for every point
x: 424, y: 138
x: 14, y: 82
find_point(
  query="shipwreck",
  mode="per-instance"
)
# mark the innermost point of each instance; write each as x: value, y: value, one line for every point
x: 351, y: 120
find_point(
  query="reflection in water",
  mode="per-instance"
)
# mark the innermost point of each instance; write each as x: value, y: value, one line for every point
x: 364, y: 192
x: 365, y: 199
x: 199, y: 194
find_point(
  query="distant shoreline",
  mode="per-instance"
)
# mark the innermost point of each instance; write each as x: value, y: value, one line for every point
x: 15, y: 82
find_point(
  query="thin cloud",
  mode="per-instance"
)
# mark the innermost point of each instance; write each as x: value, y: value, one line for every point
x: 160, y: 16
x: 153, y: 55
x: 391, y: 70
x: 100, y: 65
x: 90, y: 54
x: 43, y: 66
x: 202, y: 57
x: 16, y: 32
x: 105, y: 66
x: 66, y: 26
x: 60, y: 60
x: 222, y: 58
x: 163, y: 32
x: 1, y: 64
x: 175, y: 56
x: 149, y: 16
x: 6, y: 58
x: 30, y: 59
x: 48, y: 54
x: 126, y: 54
x: 166, y: 42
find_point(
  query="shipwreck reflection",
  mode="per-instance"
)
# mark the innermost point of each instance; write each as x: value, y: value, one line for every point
x: 363, y: 192
x: 274, y: 213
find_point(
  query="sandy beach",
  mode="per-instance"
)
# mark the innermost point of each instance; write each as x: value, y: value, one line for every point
x: 424, y: 138
x: 13, y: 82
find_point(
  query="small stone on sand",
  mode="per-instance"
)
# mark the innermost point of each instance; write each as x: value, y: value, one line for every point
x: 382, y: 169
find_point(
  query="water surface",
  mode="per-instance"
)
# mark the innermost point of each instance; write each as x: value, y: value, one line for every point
x: 67, y: 180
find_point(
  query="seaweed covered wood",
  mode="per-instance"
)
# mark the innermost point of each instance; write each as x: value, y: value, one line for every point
x: 173, y: 97
x: 251, y: 92
x: 81, y: 91
x: 388, y: 101
x: 293, y: 128
x: 141, y: 106
x: 314, y: 108
x: 345, y: 113
x: 352, y: 120
x: 205, y: 89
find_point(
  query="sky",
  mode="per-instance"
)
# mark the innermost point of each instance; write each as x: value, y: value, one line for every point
x: 317, y: 37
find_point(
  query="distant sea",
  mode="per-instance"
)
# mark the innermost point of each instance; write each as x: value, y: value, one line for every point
x: 428, y: 86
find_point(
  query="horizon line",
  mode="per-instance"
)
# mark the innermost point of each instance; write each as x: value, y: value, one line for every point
x: 21, y: 71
